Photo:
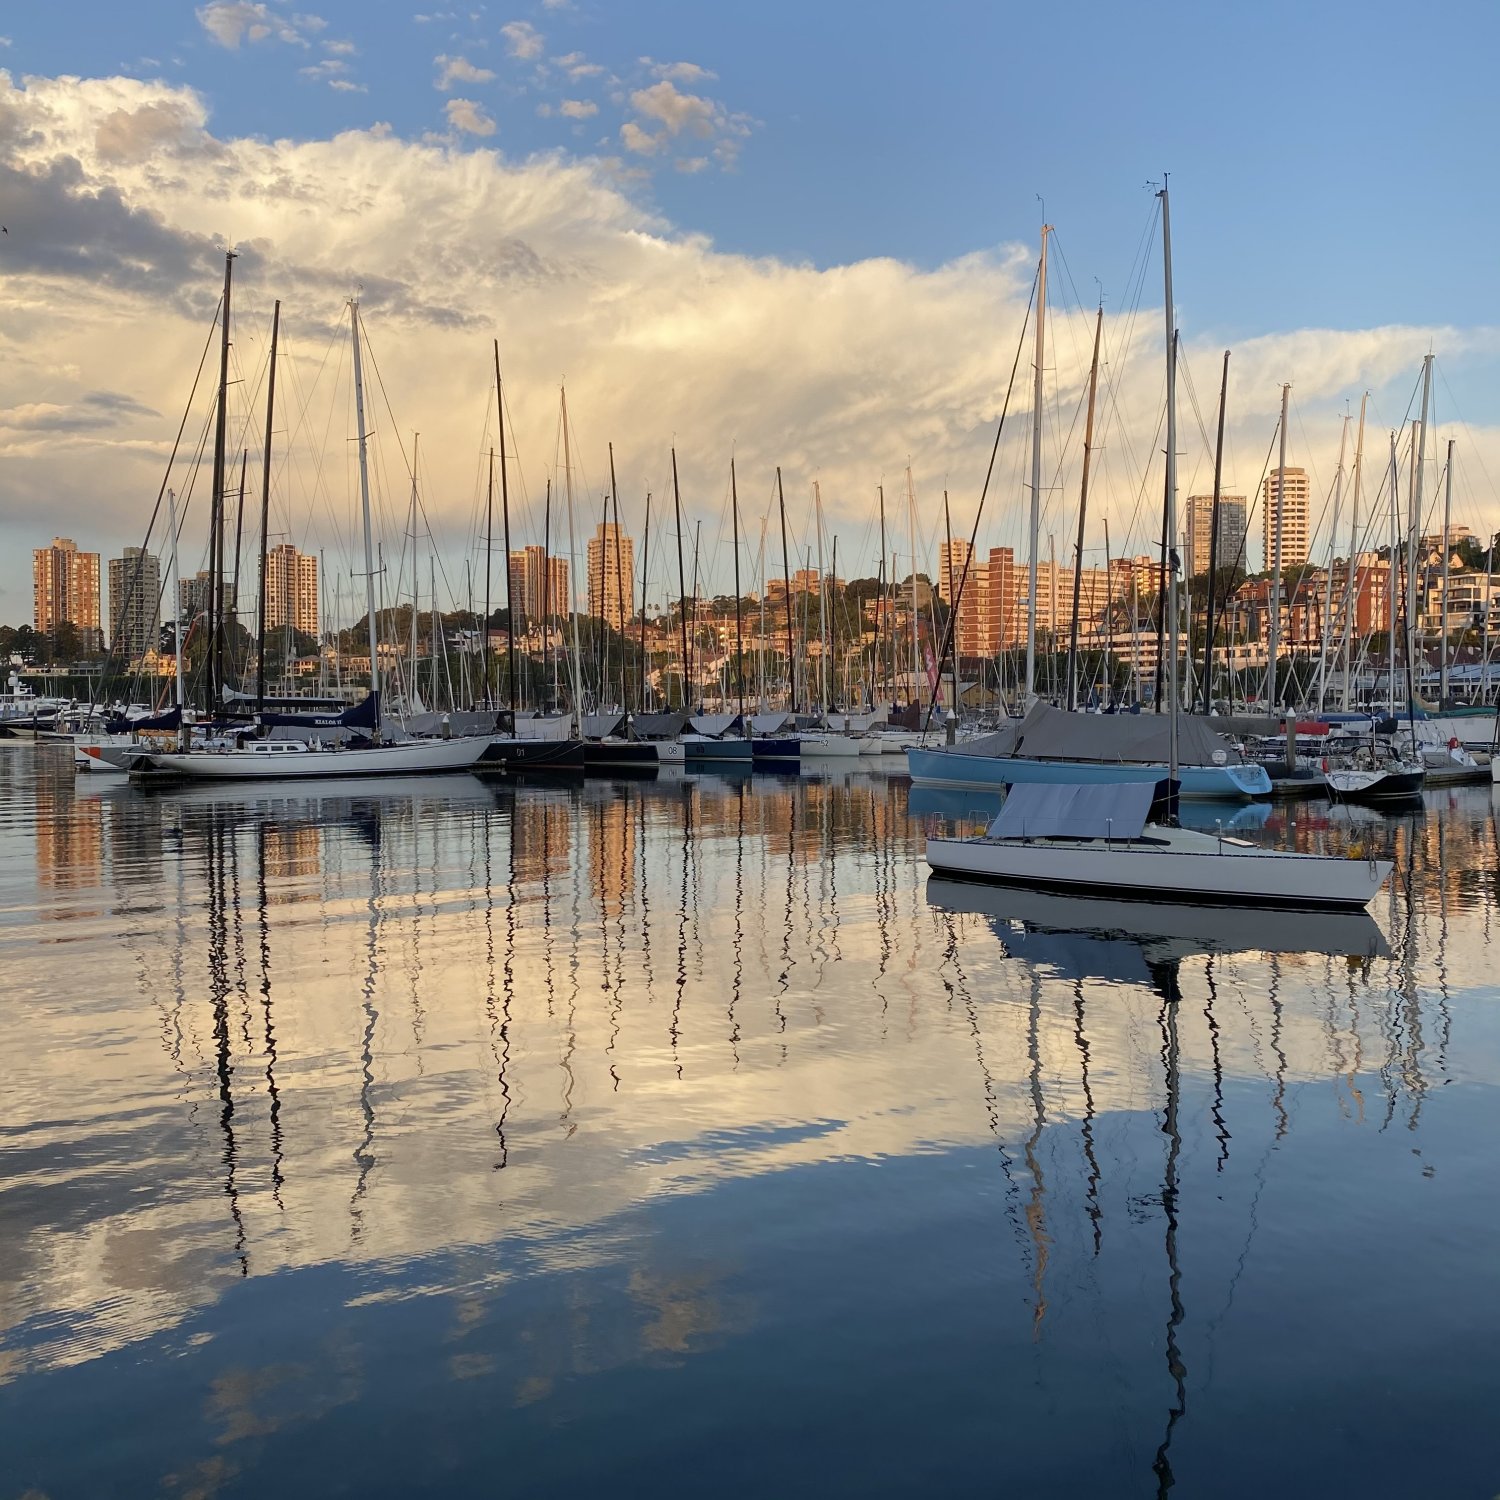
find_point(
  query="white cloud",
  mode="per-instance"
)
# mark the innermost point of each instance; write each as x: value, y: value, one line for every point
x: 460, y: 70
x: 128, y: 198
x: 229, y: 22
x: 343, y: 48
x: 642, y: 142
x: 681, y: 72
x: 578, y: 109
x: 557, y: 4
x: 469, y: 117
x: 577, y: 66
x: 523, y: 40
x: 676, y: 113
x: 347, y: 86
x: 691, y: 164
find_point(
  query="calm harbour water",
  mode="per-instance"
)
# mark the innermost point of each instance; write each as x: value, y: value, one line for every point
x: 676, y: 1137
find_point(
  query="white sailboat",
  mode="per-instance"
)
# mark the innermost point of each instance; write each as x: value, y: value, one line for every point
x: 262, y: 758
x: 1095, y: 839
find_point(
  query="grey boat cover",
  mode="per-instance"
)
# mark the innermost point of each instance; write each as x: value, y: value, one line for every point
x: 1048, y: 733
x: 460, y: 722
x: 660, y: 726
x: 1067, y: 810
x: 544, y: 726
x: 767, y: 723
x: 601, y: 726
x: 714, y: 724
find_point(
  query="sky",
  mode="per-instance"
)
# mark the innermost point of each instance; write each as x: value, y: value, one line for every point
x: 801, y: 235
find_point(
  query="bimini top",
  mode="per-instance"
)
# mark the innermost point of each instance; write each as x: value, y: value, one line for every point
x: 1067, y: 810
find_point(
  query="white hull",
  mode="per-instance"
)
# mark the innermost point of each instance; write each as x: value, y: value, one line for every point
x: 89, y: 757
x: 408, y: 758
x: 828, y: 747
x: 1167, y: 864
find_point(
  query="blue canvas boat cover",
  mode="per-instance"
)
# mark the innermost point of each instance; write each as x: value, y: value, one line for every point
x: 1067, y: 810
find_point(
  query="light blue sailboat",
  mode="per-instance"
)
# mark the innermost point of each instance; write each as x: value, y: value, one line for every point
x: 1052, y: 746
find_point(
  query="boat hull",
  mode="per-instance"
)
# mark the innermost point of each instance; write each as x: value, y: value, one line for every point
x: 1128, y: 872
x: 1376, y: 786
x: 408, y: 758
x: 780, y: 751
x: 991, y: 772
x: 716, y: 750
x: 829, y: 747
x: 512, y: 755
x: 611, y: 755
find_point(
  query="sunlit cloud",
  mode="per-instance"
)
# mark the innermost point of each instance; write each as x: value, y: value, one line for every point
x: 229, y: 22
x: 120, y: 199
x: 469, y: 117
x: 523, y: 40
x: 453, y: 70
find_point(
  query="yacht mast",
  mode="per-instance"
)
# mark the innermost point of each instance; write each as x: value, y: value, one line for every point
x: 510, y: 603
x: 572, y: 570
x: 1447, y: 519
x: 1035, y: 527
x: 1070, y: 686
x: 1415, y: 517
x: 1213, y: 544
x: 786, y: 581
x: 175, y: 585
x: 1352, y: 582
x: 1273, y: 599
x: 1170, y: 533
x: 822, y: 601
x: 214, y: 656
x: 364, y: 501
x: 681, y: 581
x: 1333, y: 537
x: 739, y: 636
x: 265, y: 518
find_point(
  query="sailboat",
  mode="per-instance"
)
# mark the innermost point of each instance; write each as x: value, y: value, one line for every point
x: 367, y: 754
x: 1083, y: 838
x: 1382, y: 773
x: 1096, y: 841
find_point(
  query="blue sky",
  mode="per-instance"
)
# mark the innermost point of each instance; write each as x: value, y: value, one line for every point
x: 1330, y: 161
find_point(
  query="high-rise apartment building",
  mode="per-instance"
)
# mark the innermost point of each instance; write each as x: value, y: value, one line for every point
x: 953, y: 559
x: 292, y: 590
x: 1293, y: 513
x: 538, y: 585
x: 134, y: 603
x: 193, y: 596
x: 65, y: 590
x: 1198, y: 532
x: 611, y: 575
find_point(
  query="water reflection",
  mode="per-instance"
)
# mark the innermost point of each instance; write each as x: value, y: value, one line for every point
x: 589, y: 1108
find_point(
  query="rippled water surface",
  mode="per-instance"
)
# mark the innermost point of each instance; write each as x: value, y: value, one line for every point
x: 679, y: 1138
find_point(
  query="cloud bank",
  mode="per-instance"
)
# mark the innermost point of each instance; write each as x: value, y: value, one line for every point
x: 120, y: 200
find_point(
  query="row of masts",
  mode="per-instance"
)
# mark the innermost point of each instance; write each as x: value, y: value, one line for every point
x: 1168, y: 621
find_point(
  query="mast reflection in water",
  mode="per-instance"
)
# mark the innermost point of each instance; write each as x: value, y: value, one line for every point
x: 681, y: 1135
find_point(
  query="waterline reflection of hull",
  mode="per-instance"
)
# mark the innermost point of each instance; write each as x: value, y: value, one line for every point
x: 1166, y: 932
x: 944, y: 767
